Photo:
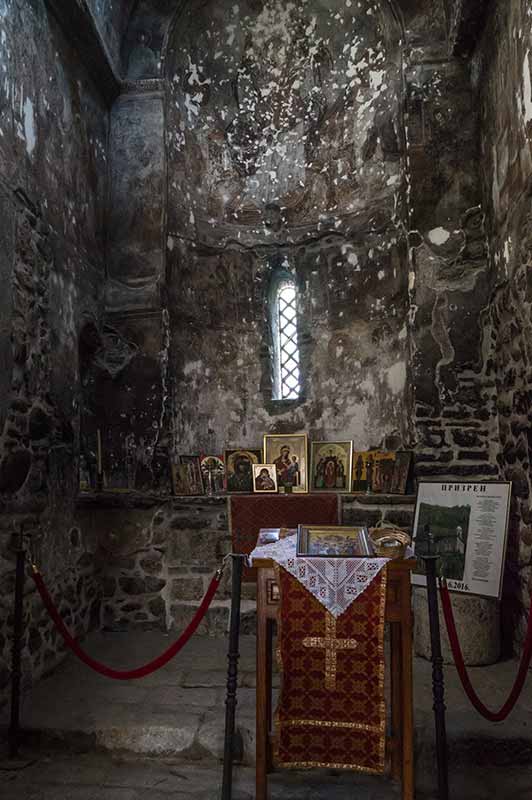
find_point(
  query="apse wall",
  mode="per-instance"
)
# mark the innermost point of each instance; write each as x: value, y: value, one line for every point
x: 285, y: 151
x: 364, y: 182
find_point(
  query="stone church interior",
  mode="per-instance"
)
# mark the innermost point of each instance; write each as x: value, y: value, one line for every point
x: 265, y: 399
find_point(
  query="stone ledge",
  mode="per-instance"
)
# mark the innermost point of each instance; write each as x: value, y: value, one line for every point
x: 96, y: 500
x: 134, y: 499
x: 379, y: 499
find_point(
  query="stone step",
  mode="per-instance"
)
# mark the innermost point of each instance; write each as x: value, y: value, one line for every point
x: 182, y: 732
x: 178, y: 711
x: 63, y: 776
x: 180, y: 728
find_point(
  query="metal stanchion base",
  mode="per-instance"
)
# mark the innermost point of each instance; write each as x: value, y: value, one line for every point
x: 438, y: 683
x: 232, y: 676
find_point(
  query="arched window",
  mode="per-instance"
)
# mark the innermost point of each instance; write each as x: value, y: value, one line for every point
x: 286, y: 366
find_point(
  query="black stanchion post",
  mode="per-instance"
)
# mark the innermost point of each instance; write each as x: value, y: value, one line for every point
x: 438, y: 685
x: 232, y: 675
x: 18, y: 621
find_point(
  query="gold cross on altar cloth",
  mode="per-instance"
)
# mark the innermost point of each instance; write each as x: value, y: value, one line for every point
x: 331, y: 645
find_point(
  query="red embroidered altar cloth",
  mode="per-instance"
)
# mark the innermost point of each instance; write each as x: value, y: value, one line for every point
x: 249, y: 513
x: 331, y: 709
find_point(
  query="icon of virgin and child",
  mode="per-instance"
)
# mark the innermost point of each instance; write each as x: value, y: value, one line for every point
x: 287, y: 466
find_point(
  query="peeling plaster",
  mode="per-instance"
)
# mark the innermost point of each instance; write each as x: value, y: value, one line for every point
x: 29, y: 126
x: 285, y: 67
x: 439, y: 235
x: 527, y: 89
x: 284, y: 149
x: 396, y: 378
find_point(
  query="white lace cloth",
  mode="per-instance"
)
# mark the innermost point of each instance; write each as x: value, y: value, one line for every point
x: 335, y: 582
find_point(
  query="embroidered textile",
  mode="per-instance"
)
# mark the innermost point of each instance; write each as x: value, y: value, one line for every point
x: 331, y: 710
x: 248, y: 514
x: 335, y: 582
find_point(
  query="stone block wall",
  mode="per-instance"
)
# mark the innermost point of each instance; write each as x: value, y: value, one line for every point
x: 502, y: 73
x: 75, y: 586
x: 158, y: 555
x: 38, y: 480
x: 53, y: 175
x: 141, y: 561
x: 512, y: 334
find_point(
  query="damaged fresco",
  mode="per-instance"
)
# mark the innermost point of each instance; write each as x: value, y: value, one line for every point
x: 285, y: 151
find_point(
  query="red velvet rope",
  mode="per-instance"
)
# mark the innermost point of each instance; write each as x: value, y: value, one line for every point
x: 492, y: 716
x: 139, y: 672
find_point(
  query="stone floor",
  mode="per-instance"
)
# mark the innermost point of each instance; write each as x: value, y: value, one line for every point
x: 93, y: 738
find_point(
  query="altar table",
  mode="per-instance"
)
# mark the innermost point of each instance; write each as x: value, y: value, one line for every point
x: 398, y: 614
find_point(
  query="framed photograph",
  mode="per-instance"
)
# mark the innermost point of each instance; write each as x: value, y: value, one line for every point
x: 195, y: 479
x: 273, y: 592
x: 466, y: 524
x: 368, y: 470
x: 162, y: 476
x: 288, y: 452
x: 264, y: 478
x: 239, y: 469
x: 85, y: 479
x: 383, y: 471
x: 333, y: 541
x: 90, y: 460
x: 181, y: 484
x: 213, y: 473
x: 401, y: 471
x: 330, y: 466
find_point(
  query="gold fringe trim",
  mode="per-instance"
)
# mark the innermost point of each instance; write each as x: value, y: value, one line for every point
x: 327, y: 765
x: 318, y: 723
x: 382, y: 613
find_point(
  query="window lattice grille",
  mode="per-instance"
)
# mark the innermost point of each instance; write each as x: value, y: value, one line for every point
x: 289, y: 374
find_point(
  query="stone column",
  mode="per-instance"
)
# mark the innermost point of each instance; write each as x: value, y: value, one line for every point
x: 478, y: 623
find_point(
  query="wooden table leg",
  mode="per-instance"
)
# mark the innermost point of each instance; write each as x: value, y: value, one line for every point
x: 262, y: 695
x: 396, y: 701
x: 407, y: 703
x: 269, y: 679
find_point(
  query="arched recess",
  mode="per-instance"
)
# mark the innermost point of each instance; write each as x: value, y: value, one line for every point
x: 153, y: 22
x: 297, y: 108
